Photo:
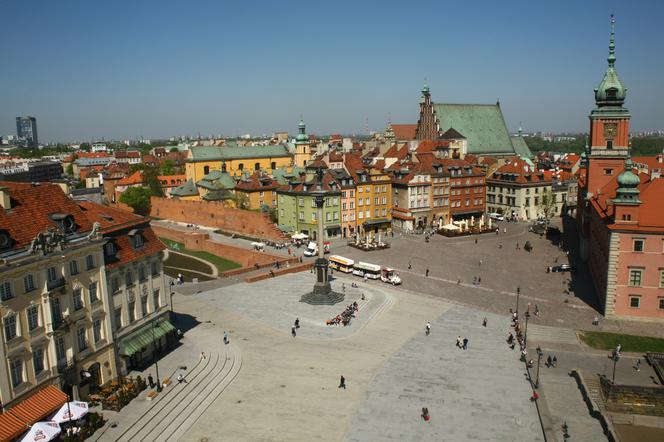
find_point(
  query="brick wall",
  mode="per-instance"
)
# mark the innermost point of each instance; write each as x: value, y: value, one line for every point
x: 633, y: 399
x: 282, y: 271
x: 214, y: 214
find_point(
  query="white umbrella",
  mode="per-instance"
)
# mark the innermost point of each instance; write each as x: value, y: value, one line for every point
x: 72, y: 411
x: 42, y: 432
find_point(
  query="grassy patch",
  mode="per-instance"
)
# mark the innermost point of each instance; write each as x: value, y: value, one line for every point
x: 187, y: 262
x: 629, y: 343
x: 219, y: 262
x: 188, y: 276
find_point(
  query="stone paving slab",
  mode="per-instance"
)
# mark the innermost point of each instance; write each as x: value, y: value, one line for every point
x: 477, y: 394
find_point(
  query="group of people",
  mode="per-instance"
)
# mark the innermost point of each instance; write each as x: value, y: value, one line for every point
x: 462, y: 343
x: 345, y: 317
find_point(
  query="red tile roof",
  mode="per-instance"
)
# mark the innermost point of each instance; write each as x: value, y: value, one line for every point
x: 431, y: 145
x: 257, y: 182
x: 404, y: 131
x: 31, y: 207
x: 35, y: 408
x: 133, y: 179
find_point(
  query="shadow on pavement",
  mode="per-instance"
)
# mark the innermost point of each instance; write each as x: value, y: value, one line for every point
x: 184, y: 322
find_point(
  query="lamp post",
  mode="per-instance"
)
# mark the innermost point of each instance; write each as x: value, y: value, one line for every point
x: 525, y: 334
x: 154, y: 355
x: 615, y: 357
x: 518, y: 293
x: 539, y: 359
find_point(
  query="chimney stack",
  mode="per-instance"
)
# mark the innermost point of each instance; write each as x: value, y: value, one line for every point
x: 5, y: 200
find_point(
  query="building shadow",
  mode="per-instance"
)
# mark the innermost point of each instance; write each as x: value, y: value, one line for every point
x: 184, y: 321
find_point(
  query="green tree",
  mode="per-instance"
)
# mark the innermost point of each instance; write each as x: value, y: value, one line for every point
x: 167, y: 167
x: 274, y: 215
x: 151, y: 179
x: 241, y: 201
x: 548, y: 205
x: 138, y: 198
x: 174, y: 149
x: 70, y: 169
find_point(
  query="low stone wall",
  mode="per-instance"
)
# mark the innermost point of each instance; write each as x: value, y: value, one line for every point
x: 200, y: 241
x: 633, y: 399
x: 593, y: 408
x: 214, y: 214
x: 281, y: 271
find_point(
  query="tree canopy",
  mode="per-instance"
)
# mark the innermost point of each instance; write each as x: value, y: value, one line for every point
x: 138, y: 198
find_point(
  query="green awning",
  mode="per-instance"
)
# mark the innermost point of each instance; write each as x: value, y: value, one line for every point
x: 143, y: 337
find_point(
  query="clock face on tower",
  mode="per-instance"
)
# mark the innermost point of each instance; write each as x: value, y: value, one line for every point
x: 610, y: 130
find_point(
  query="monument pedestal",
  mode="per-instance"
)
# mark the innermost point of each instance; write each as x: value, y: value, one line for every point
x: 322, y: 293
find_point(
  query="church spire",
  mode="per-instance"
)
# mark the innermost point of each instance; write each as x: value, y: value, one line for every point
x: 612, y: 43
x: 611, y: 91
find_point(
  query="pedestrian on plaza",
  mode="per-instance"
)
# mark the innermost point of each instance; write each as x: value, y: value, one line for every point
x: 618, y: 348
x: 517, y: 246
x: 549, y: 362
x: 459, y: 281
x: 425, y: 414
x: 595, y: 320
x: 484, y: 322
x: 300, y: 260
x: 500, y: 245
x: 180, y: 279
x: 289, y: 251
x: 225, y: 337
x: 465, y: 343
x: 427, y: 328
x: 479, y: 280
x: 427, y: 273
x: 480, y: 263
x: 365, y: 278
x: 474, y: 280
x: 150, y: 380
x: 293, y: 331
x: 342, y: 382
x: 343, y: 287
x: 554, y: 361
x: 459, y: 341
x: 410, y: 266
x: 475, y: 240
x: 181, y: 379
x: 637, y: 366
x: 537, y: 312
x: 297, y: 322
x: 505, y: 230
x: 202, y: 356
x: 363, y: 298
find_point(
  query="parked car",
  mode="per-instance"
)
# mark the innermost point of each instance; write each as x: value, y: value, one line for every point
x: 496, y: 216
x: 561, y: 268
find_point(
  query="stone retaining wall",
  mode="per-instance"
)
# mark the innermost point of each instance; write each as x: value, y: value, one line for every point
x: 633, y: 399
x: 281, y: 271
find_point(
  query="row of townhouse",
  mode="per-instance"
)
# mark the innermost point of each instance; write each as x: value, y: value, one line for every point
x: 81, y: 286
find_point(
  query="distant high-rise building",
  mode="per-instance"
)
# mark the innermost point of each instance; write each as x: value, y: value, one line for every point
x: 26, y: 130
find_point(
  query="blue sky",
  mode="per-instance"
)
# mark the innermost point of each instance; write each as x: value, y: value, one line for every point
x: 121, y: 69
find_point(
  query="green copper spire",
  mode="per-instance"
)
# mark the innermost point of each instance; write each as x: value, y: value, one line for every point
x: 628, y: 185
x: 611, y: 91
x: 302, y: 132
x: 612, y: 45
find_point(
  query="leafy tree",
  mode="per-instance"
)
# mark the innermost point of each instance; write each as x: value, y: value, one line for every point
x: 174, y: 149
x: 70, y: 169
x: 274, y: 215
x: 242, y: 201
x: 135, y: 167
x: 168, y: 167
x: 138, y: 198
x: 85, y: 146
x: 151, y: 179
x: 548, y: 205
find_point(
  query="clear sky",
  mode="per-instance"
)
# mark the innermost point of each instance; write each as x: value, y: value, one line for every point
x: 122, y: 69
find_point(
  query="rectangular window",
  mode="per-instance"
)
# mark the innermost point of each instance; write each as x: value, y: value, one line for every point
x: 51, y: 274
x: 92, y: 292
x: 367, y: 202
x: 144, y: 306
x: 359, y: 189
x: 328, y: 216
x: 129, y: 279
x: 117, y: 318
x: 10, y: 327
x: 635, y: 277
x: 367, y: 214
x: 301, y: 202
x: 384, y: 200
x: 82, y: 339
x: 360, y: 202
x: 60, y: 351
x: 301, y: 216
x: 375, y: 201
x: 661, y: 278
x: 638, y: 245
x: 6, y: 291
x: 131, y: 307
x: 336, y: 216
x: 138, y: 241
x: 154, y: 267
x: 78, y: 298
x: 313, y: 217
x: 115, y: 287
x: 90, y: 262
x: 660, y: 302
x: 17, y: 372
x: 38, y: 360
x: 96, y: 330
x: 344, y: 218
x: 73, y: 267
x: 29, y: 283
x: 635, y: 301
x: 360, y: 215
x: 155, y: 299
x: 33, y: 317
x: 141, y: 273
x: 56, y: 312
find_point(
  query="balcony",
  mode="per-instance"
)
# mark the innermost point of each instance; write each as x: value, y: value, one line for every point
x: 55, y: 284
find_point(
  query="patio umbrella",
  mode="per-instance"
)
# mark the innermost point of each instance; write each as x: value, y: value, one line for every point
x: 72, y: 411
x: 42, y: 432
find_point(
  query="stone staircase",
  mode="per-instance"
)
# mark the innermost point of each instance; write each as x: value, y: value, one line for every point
x: 543, y: 333
x: 594, y: 390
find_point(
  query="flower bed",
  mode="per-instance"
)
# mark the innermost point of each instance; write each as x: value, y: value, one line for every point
x: 93, y: 422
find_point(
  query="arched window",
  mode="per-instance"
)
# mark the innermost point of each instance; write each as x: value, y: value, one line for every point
x: 223, y: 167
x: 206, y: 170
x: 240, y: 167
x: 273, y: 165
x: 257, y: 166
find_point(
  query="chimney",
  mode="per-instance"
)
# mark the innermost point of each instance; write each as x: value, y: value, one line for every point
x: 5, y: 200
x: 659, y: 158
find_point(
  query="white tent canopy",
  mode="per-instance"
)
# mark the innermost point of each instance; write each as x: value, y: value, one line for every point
x: 450, y: 227
x: 300, y: 236
x: 42, y: 432
x: 78, y: 410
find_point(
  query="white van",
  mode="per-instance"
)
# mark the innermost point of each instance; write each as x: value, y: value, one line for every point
x: 496, y: 216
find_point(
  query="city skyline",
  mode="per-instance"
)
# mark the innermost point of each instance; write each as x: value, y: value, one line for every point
x: 178, y: 70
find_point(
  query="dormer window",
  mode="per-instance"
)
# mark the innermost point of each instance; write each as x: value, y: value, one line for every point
x: 136, y: 238
x: 110, y: 250
x: 65, y: 222
x: 5, y: 240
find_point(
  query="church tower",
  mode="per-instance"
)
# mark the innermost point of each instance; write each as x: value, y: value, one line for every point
x: 302, y: 146
x: 427, y: 125
x: 609, y: 127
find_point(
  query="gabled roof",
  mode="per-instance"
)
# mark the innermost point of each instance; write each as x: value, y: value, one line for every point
x: 187, y: 189
x: 452, y: 134
x: 483, y: 126
x: 404, y: 131
x: 214, y: 153
x: 431, y: 145
x: 31, y: 207
x: 110, y: 218
x: 521, y: 147
x: 133, y: 179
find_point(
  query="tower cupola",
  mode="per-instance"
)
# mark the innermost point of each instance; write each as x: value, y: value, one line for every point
x: 611, y: 91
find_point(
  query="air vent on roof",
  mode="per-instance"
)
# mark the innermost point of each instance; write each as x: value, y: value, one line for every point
x: 107, y: 218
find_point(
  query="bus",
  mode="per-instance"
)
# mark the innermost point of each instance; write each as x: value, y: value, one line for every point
x: 371, y: 271
x: 341, y: 264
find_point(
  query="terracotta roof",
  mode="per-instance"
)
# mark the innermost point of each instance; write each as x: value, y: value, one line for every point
x: 404, y: 131
x: 133, y: 179
x: 35, y: 408
x: 116, y: 224
x: 431, y: 145
x: 257, y: 182
x: 518, y: 171
x: 336, y: 156
x: 30, y: 210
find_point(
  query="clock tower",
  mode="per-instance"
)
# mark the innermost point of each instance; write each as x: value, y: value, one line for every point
x: 609, y: 127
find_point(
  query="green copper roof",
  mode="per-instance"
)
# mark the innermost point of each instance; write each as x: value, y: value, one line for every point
x: 218, y: 195
x: 628, y: 179
x: 521, y: 147
x: 302, y: 136
x: 212, y: 153
x: 187, y: 189
x: 483, y: 126
x: 216, y: 180
x: 611, y: 91
x: 283, y: 176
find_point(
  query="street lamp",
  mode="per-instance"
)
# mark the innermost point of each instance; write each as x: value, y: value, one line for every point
x: 525, y: 334
x: 518, y: 292
x: 539, y: 359
x: 615, y: 357
x: 154, y: 351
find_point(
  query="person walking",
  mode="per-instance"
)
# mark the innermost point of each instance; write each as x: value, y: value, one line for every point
x: 150, y: 380
x: 479, y: 280
x: 637, y: 366
x: 297, y: 322
x: 425, y: 414
x: 427, y: 328
x: 342, y: 382
x: 427, y: 273
x: 293, y: 331
x: 410, y: 265
x: 202, y: 356
x: 181, y: 379
x: 365, y: 278
x: 459, y: 342
x: 225, y: 337
x: 618, y: 347
x: 465, y: 343
x: 343, y: 287
x: 484, y: 322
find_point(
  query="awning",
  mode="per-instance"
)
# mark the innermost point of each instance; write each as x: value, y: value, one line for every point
x: 376, y: 222
x: 467, y: 213
x: 143, y: 337
x: 333, y: 226
x: 45, y: 402
x: 402, y: 216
